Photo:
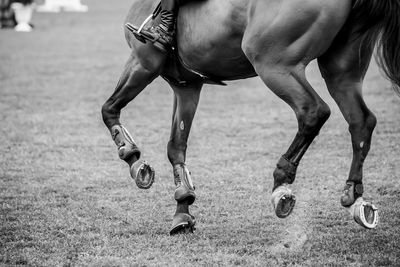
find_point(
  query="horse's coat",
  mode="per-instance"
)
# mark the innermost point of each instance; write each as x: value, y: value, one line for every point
x: 274, y: 39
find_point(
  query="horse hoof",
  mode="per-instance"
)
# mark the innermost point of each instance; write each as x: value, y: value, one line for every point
x: 364, y: 213
x: 183, y: 223
x: 283, y: 201
x: 143, y: 174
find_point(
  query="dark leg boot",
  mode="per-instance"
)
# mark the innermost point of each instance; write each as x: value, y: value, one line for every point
x: 162, y: 35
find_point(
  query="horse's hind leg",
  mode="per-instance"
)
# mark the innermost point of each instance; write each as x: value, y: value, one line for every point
x: 281, y: 65
x: 290, y: 84
x: 135, y: 77
x: 343, y: 67
x: 311, y: 112
x: 185, y: 105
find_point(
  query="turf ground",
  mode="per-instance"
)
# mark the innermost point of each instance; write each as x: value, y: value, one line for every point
x: 67, y: 200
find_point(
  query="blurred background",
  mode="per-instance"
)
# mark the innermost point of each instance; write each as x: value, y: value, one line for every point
x: 67, y: 200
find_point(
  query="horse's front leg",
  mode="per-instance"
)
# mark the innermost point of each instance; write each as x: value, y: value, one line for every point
x: 185, y: 105
x: 136, y: 75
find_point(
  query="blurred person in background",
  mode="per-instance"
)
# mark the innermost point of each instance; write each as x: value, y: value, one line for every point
x: 7, y: 12
x: 7, y: 17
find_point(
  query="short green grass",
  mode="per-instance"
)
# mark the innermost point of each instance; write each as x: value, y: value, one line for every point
x: 67, y: 200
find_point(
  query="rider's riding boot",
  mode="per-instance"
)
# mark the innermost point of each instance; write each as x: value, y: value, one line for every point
x: 162, y: 35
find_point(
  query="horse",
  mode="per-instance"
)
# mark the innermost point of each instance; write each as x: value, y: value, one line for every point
x: 218, y: 41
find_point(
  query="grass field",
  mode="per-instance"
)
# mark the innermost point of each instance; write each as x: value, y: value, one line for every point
x: 67, y: 200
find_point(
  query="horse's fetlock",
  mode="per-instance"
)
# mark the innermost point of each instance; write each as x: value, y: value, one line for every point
x: 285, y: 172
x: 351, y: 192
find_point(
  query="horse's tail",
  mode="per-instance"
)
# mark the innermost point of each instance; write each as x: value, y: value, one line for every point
x: 379, y: 22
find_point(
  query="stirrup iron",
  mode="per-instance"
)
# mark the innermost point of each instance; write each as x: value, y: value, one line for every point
x: 138, y: 31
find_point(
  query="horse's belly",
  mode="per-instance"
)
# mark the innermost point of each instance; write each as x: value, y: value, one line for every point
x: 210, y: 36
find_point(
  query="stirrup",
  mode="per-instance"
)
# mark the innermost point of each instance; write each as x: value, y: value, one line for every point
x: 137, y: 31
x: 156, y: 40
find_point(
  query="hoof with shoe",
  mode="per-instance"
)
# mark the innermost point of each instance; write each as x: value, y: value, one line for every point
x: 183, y: 223
x: 283, y: 201
x: 143, y: 174
x: 364, y: 213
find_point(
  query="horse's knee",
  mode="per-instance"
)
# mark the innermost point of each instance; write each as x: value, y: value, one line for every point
x: 109, y: 114
x: 106, y: 109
